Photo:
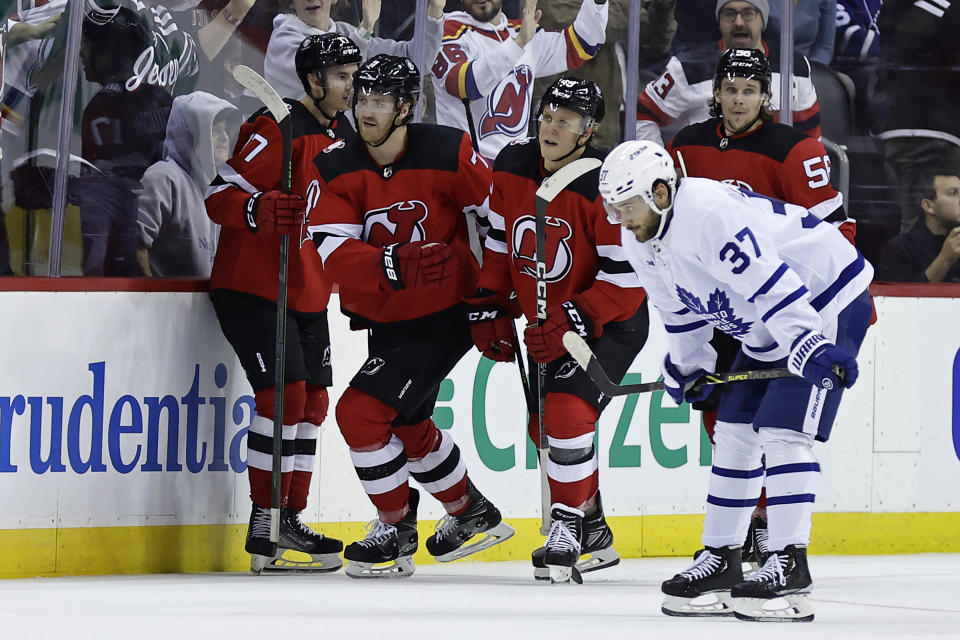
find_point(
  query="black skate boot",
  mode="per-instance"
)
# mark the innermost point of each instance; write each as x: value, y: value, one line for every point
x: 755, y: 551
x: 387, y: 551
x: 564, y: 543
x: 713, y: 572
x: 262, y: 551
x: 785, y: 575
x: 597, y: 551
x: 297, y: 536
x: 479, y: 527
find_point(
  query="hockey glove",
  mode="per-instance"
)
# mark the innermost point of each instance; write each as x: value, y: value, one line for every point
x: 275, y: 211
x: 490, y: 326
x: 822, y: 363
x: 418, y: 265
x: 680, y: 386
x: 545, y: 342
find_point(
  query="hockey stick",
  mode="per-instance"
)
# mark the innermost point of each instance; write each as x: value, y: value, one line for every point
x: 549, y: 189
x: 524, y: 380
x: 585, y: 357
x: 275, y: 104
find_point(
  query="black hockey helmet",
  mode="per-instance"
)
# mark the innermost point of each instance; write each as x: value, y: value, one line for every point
x: 582, y: 96
x: 319, y: 52
x: 743, y: 63
x: 114, y: 42
x: 392, y: 75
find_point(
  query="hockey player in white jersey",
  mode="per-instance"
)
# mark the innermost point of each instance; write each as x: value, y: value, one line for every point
x: 490, y: 62
x: 794, y: 292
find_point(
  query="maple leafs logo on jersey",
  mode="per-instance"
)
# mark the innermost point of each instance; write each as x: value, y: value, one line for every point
x: 400, y: 222
x: 508, y: 104
x: 718, y: 311
x: 559, y: 256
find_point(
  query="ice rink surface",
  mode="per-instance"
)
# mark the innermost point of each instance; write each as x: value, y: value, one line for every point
x: 900, y: 596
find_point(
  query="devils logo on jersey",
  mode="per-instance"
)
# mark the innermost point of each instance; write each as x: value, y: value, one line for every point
x: 400, y: 222
x: 313, y: 196
x: 508, y: 104
x: 559, y: 256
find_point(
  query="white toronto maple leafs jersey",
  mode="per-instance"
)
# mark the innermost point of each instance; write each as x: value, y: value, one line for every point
x: 758, y: 269
x: 480, y: 62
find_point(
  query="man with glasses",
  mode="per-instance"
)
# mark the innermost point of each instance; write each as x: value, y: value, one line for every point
x: 590, y: 289
x: 393, y: 234
x: 680, y: 95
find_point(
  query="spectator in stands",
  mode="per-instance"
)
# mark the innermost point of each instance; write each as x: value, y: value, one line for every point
x: 656, y: 32
x: 857, y: 32
x: 212, y: 24
x: 814, y: 27
x: 122, y: 132
x: 312, y: 17
x: 14, y: 32
x: 930, y: 251
x: 680, y: 95
x: 484, y: 74
x: 177, y: 239
x: 915, y: 102
x: 857, y: 50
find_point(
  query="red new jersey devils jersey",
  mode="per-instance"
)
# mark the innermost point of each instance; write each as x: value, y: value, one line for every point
x: 249, y: 262
x: 584, y: 259
x: 773, y: 160
x: 422, y: 195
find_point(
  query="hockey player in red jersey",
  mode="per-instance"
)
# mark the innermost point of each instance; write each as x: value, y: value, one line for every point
x: 590, y: 289
x: 392, y: 232
x: 245, y: 198
x: 741, y: 145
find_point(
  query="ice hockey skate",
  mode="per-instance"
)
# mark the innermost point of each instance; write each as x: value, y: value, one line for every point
x: 296, y: 537
x: 387, y: 551
x: 597, y: 551
x: 755, y: 550
x: 778, y: 591
x: 703, y: 589
x: 564, y: 543
x: 479, y: 527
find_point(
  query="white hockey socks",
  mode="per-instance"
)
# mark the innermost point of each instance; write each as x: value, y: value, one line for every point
x: 736, y: 480
x: 792, y: 472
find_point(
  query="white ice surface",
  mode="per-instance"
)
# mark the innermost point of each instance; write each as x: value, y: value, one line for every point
x: 855, y: 597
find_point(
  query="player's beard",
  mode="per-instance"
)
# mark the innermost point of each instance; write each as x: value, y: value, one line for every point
x: 487, y: 12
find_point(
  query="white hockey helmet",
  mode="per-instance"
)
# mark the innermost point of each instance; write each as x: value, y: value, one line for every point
x: 634, y: 168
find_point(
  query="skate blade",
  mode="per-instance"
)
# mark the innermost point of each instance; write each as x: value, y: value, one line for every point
x: 299, y: 562
x: 708, y: 605
x: 600, y: 559
x: 789, y: 608
x: 479, y: 542
x: 402, y: 567
x: 563, y: 575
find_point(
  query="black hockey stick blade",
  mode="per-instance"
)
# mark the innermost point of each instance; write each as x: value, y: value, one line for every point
x: 585, y: 357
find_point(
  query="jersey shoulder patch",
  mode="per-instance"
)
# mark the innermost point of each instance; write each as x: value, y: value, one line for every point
x: 432, y: 146
x: 698, y: 134
x: 773, y: 140
x: 520, y: 158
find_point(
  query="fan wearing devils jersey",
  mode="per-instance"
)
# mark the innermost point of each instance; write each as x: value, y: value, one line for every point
x: 741, y: 145
x: 590, y: 289
x: 245, y: 199
x: 488, y: 63
x: 392, y: 231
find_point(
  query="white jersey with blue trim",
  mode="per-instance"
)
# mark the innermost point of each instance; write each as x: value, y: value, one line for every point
x: 761, y: 270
